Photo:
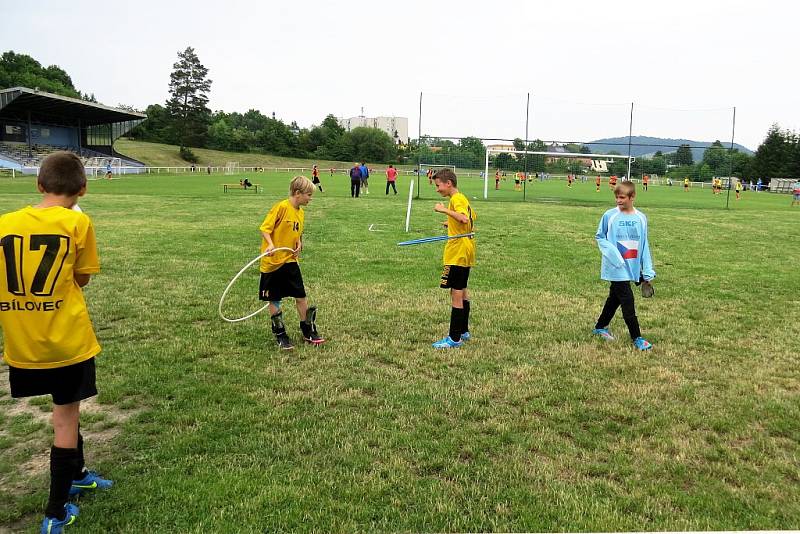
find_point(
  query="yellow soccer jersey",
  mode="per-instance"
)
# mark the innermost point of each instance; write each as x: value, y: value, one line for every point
x: 284, y: 223
x: 460, y: 251
x: 42, y: 311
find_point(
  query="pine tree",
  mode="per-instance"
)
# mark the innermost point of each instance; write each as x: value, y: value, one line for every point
x: 683, y: 156
x: 187, y: 104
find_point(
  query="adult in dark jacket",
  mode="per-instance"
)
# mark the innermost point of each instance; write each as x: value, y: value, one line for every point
x: 355, y: 180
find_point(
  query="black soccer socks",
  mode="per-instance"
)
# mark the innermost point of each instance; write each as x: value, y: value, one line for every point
x: 63, y: 466
x: 456, y: 323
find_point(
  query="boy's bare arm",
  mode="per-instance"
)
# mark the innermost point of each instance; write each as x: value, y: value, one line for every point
x: 268, y: 238
x: 460, y: 217
x: 82, y: 279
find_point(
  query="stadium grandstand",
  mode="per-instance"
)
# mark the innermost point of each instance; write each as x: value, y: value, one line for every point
x: 35, y: 123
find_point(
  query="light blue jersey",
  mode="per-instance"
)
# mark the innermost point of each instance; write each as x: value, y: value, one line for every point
x: 622, y: 238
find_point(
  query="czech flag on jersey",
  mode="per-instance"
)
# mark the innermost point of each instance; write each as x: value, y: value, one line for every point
x: 628, y: 249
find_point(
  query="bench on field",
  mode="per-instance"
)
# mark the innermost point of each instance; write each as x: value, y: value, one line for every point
x: 254, y: 187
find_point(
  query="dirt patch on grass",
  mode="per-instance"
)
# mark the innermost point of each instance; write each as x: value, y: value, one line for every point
x: 101, y: 423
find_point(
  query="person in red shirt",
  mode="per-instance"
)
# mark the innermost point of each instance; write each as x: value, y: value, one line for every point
x: 612, y: 181
x: 645, y: 181
x: 497, y: 179
x: 597, y: 184
x: 391, y: 178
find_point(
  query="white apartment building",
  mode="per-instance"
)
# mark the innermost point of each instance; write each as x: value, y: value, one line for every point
x: 396, y: 127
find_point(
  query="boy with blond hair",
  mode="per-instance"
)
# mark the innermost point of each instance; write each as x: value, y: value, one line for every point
x: 625, y: 249
x: 280, y: 273
x: 49, y: 254
x: 459, y: 257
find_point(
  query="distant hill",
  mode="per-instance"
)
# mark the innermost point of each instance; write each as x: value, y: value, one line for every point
x: 644, y: 146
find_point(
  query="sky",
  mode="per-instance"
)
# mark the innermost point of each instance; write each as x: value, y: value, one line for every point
x: 682, y: 65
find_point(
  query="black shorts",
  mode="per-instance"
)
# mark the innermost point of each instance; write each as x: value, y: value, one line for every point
x: 454, y: 277
x: 286, y: 281
x: 315, y: 180
x: 66, y: 384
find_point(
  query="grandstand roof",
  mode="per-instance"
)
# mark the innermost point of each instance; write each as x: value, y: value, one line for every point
x: 16, y: 102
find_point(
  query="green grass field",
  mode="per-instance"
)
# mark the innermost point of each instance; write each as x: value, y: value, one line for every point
x: 532, y: 426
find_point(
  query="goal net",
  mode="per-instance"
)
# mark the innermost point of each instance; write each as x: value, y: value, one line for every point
x: 99, y: 167
x: 511, y: 173
x: 433, y: 168
x: 232, y: 167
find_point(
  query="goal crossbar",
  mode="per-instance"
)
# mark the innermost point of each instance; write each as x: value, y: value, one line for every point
x: 490, y: 151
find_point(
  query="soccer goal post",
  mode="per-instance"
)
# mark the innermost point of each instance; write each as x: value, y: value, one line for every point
x: 232, y: 167
x: 98, y: 166
x: 591, y: 160
x: 425, y: 167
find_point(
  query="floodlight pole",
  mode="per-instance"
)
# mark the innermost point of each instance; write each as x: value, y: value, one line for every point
x: 630, y: 135
x: 730, y: 158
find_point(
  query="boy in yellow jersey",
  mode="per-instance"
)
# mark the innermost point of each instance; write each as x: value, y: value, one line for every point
x: 459, y: 256
x: 280, y: 272
x: 49, y: 254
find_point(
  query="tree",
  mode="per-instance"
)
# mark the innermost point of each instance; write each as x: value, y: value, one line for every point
x: 705, y: 172
x: 654, y: 165
x: 156, y: 128
x: 684, y: 155
x: 20, y: 70
x: 716, y: 157
x: 503, y: 161
x: 332, y: 124
x: 187, y: 105
x: 773, y: 157
x: 371, y: 144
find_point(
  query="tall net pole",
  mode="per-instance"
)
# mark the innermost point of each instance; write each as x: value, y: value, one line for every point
x: 630, y: 136
x: 525, y: 163
x: 419, y: 140
x: 730, y: 160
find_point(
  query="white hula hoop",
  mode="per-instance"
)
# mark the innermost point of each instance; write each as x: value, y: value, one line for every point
x: 233, y: 281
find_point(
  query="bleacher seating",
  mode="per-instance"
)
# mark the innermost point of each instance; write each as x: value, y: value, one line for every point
x: 19, y: 152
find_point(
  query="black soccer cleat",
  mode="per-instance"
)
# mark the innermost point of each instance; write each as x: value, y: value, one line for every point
x: 279, y: 329
x: 314, y: 338
x: 284, y: 343
x: 309, y: 328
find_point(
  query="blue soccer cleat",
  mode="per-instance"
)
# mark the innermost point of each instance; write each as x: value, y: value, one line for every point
x: 52, y: 525
x: 90, y: 481
x: 604, y: 333
x: 447, y: 343
x: 642, y: 344
x: 465, y: 336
